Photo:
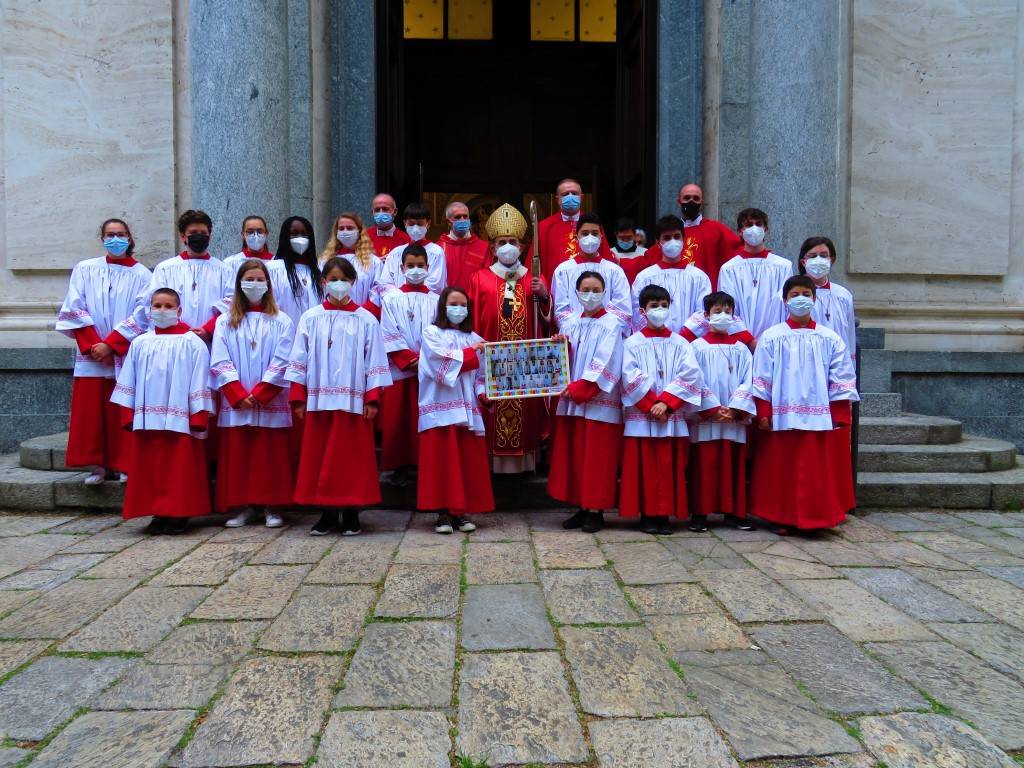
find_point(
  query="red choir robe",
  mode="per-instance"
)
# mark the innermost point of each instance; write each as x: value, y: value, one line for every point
x: 558, y: 243
x: 384, y: 241
x: 709, y: 244
x: 463, y: 257
x: 515, y: 428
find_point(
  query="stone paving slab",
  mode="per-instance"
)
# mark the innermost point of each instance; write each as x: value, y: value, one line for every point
x: 382, y: 739
x: 901, y: 522
x: 362, y: 562
x: 209, y: 642
x: 24, y: 525
x: 87, y: 524
x: 320, y: 618
x: 647, y: 563
x: 294, y: 546
x: 911, y: 595
x: 750, y: 595
x: 947, y: 542
x: 60, y: 612
x: 116, y: 740
x: 567, y: 549
x: 251, y: 533
x: 704, y: 554
x: 269, y: 713
x: 500, y: 563
x: 209, y: 564
x: 143, y: 558
x: 999, y: 645
x: 671, y: 742
x: 42, y: 580
x: 420, y: 591
x: 20, y: 552
x: 427, y: 548
x: 585, y: 597
x: 515, y: 708
x: 697, y: 632
x: 778, y: 567
x: 913, y: 554
x: 912, y: 740
x: 662, y: 599
x: 253, y: 592
x: 401, y: 664
x: 164, y: 686
x: 14, y: 653
x: 9, y: 601
x: 859, y: 530
x: 1012, y: 575
x: 841, y: 553
x: 503, y: 617
x: 995, y: 597
x: 503, y: 526
x: 11, y: 756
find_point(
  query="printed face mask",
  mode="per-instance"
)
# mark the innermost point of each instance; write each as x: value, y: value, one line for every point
x: 383, y: 220
x: 460, y: 226
x: 570, y: 203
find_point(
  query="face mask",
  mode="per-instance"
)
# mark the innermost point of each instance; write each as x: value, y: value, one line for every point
x: 164, y: 318
x: 256, y: 241
x: 720, y: 321
x: 591, y: 300
x: 299, y: 244
x: 416, y: 232
x: 672, y: 249
x: 589, y: 244
x: 254, y: 289
x: 508, y: 254
x: 570, y: 203
x: 348, y: 237
x: 198, y: 243
x: 753, y: 236
x: 460, y: 226
x: 691, y: 210
x: 116, y: 246
x: 800, y: 306
x: 624, y: 245
x: 457, y: 313
x: 383, y: 220
x: 657, y: 317
x: 339, y: 289
x: 415, y: 275
x: 818, y: 266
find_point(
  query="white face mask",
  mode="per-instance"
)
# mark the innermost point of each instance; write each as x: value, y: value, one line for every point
x: 589, y: 244
x: 348, y: 237
x: 300, y: 244
x: 254, y: 290
x: 416, y: 232
x: 591, y: 300
x: 415, y: 275
x: 164, y: 318
x: 657, y: 317
x: 339, y: 289
x: 456, y: 313
x: 256, y: 241
x: 720, y: 321
x: 672, y: 249
x: 508, y: 254
x: 754, y: 236
x: 818, y: 266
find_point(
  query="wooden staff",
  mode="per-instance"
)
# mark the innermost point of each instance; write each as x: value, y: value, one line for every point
x: 536, y: 265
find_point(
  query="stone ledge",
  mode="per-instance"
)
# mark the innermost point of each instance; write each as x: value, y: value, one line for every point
x: 958, y: 362
x: 37, y: 359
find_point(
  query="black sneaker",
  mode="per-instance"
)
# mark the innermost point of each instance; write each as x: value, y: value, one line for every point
x: 328, y: 522
x: 593, y: 523
x: 174, y: 526
x: 156, y: 526
x: 444, y: 524
x: 665, y: 526
x: 648, y: 524
x: 462, y: 524
x: 698, y: 524
x: 739, y: 523
x: 350, y: 523
x: 576, y: 521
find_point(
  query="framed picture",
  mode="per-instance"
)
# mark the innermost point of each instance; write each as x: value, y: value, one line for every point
x: 528, y: 368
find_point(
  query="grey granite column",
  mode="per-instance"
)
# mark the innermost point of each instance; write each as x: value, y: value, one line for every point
x: 241, y: 114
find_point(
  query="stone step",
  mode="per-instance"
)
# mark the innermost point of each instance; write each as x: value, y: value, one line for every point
x: 45, y: 452
x: 946, y: 490
x: 973, y: 454
x: 880, y: 404
x: 909, y: 429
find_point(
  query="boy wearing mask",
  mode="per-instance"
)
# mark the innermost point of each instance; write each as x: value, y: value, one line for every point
x: 417, y: 222
x: 589, y: 259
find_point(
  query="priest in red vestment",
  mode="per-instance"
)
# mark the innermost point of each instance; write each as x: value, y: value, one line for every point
x: 503, y: 298
x: 709, y: 243
x: 558, y: 231
x: 385, y: 236
x: 464, y: 252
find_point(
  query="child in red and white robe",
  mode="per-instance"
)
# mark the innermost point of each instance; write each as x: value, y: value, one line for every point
x: 833, y: 305
x: 249, y: 358
x: 718, y: 456
x: 103, y: 292
x: 405, y: 313
x: 166, y: 401
x: 337, y: 369
x: 455, y: 473
x: 588, y: 422
x: 661, y: 385
x: 803, y: 385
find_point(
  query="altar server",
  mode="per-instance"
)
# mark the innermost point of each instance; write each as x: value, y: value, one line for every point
x: 833, y: 306
x: 254, y: 244
x: 803, y: 385
x: 588, y: 425
x: 164, y: 391
x: 103, y: 292
x: 685, y: 282
x: 454, y: 476
x: 350, y: 240
x: 661, y: 386
x: 589, y: 259
x: 295, y: 272
x: 249, y: 358
x: 417, y: 222
x: 337, y: 369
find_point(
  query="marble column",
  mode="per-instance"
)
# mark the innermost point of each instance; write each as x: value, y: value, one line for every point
x: 241, y: 114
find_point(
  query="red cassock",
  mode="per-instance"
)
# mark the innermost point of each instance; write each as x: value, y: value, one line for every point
x: 167, y: 472
x: 558, y: 243
x: 454, y: 471
x: 585, y: 462
x: 251, y: 468
x: 463, y: 257
x: 399, y: 418
x: 383, y: 244
x: 718, y: 478
x: 338, y: 467
x: 654, y: 477
x: 95, y: 436
x: 709, y: 245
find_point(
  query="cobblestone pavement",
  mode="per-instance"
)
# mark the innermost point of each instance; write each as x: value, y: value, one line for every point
x: 897, y: 640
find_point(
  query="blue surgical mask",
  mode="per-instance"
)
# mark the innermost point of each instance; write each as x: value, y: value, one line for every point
x: 570, y: 202
x: 460, y: 226
x: 116, y: 246
x: 800, y: 306
x: 457, y: 313
x: 624, y: 245
x: 383, y: 220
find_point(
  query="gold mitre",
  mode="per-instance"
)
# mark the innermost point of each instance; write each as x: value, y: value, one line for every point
x: 506, y: 221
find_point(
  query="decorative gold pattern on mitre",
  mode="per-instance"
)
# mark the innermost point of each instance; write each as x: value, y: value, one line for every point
x: 506, y: 221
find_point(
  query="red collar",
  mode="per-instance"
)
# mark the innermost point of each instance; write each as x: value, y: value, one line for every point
x: 600, y: 313
x: 124, y: 261
x: 342, y: 250
x: 762, y: 254
x: 713, y: 337
x: 255, y: 308
x: 424, y: 242
x: 826, y: 287
x: 410, y: 288
x: 263, y: 255
x: 661, y: 333
x: 447, y: 238
x: 811, y: 325
x: 679, y: 263
x: 186, y: 256
x: 350, y: 307
x: 589, y: 258
x: 174, y: 330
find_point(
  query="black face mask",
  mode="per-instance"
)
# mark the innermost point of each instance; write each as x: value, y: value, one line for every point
x: 691, y: 210
x: 197, y: 242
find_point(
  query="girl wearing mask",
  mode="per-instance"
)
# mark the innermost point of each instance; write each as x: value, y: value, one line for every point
x: 254, y: 244
x: 103, y: 292
x: 588, y: 424
x: 249, y: 357
x: 833, y: 307
x: 803, y: 386
x: 589, y: 259
x: 338, y: 367
x: 454, y: 477
x: 295, y: 271
x: 350, y: 240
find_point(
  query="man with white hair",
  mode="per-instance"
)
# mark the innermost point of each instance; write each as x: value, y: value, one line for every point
x: 385, y: 236
x: 464, y: 252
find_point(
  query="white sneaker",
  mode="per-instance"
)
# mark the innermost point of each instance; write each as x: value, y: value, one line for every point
x: 463, y: 524
x: 96, y: 478
x: 241, y: 519
x: 122, y: 477
x: 274, y: 519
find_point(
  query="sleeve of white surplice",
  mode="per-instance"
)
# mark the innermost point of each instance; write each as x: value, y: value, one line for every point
x: 742, y: 399
x: 74, y: 313
x: 842, y: 379
x: 618, y: 301
x: 299, y: 356
x: 444, y: 362
x: 851, y: 329
x: 638, y: 321
x: 697, y: 324
x: 386, y: 279
x: 479, y: 376
x: 200, y: 398
x: 391, y: 326
x: 275, y: 373
x: 703, y: 289
x: 137, y: 323
x: 560, y: 294
x: 124, y: 389
x: 605, y: 367
x: 437, y: 271
x: 375, y: 359
x: 687, y: 382
x: 763, y: 373
x: 635, y: 381
x: 222, y: 368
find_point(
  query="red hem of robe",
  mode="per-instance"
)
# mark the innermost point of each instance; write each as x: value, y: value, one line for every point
x: 338, y: 466
x: 167, y: 476
x: 584, y: 462
x: 95, y: 434
x: 399, y: 424
x: 455, y: 471
x: 250, y: 469
x: 718, y: 478
x: 654, y: 477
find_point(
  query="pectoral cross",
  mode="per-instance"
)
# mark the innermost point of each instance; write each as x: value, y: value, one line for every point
x: 252, y: 345
x: 330, y: 343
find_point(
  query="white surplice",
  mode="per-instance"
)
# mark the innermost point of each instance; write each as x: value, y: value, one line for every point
x: 293, y: 302
x: 595, y: 355
x: 449, y: 395
x: 404, y: 315
x: 565, y: 302
x: 756, y: 283
x: 391, y: 275
x: 833, y: 308
x: 235, y: 260
x: 727, y: 371
x: 687, y: 286
x: 366, y: 277
x: 257, y: 350
x: 659, y: 364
